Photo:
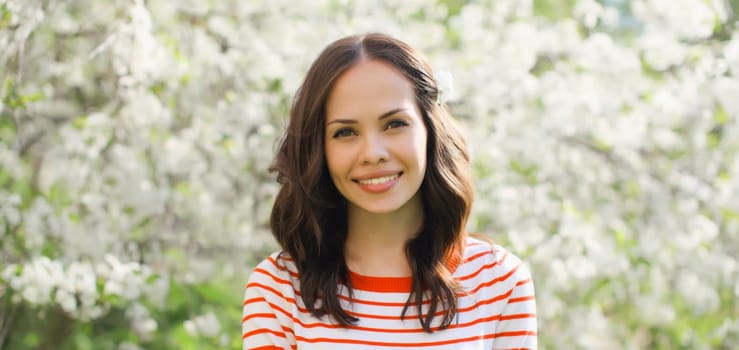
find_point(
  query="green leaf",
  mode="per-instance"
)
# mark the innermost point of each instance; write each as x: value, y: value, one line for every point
x: 554, y: 9
x: 5, y: 16
x: 59, y: 195
x: 720, y: 115
x: 528, y: 171
x: 80, y: 122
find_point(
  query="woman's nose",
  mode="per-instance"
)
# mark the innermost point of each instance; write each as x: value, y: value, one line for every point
x: 374, y: 150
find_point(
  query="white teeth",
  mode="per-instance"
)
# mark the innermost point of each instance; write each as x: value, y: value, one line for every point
x: 379, y: 180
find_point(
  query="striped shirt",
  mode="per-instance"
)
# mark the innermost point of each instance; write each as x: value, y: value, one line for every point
x: 497, y: 309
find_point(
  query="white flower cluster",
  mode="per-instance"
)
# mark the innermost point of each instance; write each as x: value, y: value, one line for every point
x: 444, y: 86
x: 205, y: 325
x: 75, y: 288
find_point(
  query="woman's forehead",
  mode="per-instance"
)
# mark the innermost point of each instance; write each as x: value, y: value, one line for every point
x: 369, y: 87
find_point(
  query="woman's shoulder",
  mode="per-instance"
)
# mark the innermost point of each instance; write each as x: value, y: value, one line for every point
x: 271, y: 285
x: 481, y: 245
x: 278, y: 266
x: 482, y: 253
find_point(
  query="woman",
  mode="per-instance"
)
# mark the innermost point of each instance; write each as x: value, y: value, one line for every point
x: 371, y: 219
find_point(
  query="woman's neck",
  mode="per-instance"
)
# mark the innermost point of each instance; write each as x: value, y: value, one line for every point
x: 375, y: 244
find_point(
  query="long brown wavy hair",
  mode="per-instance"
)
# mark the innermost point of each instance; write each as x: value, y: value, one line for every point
x: 309, y: 216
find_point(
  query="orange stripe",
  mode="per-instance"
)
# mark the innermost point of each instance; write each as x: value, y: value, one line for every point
x: 261, y: 331
x: 495, y: 280
x: 284, y: 267
x: 258, y: 315
x: 476, y: 256
x: 381, y: 284
x: 520, y: 299
x: 482, y: 268
x: 498, y: 297
x: 516, y: 316
x: 254, y: 300
x: 277, y: 279
x: 272, y: 306
x: 266, y: 287
x: 264, y: 330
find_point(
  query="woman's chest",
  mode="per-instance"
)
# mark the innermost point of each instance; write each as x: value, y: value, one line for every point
x: 383, y: 325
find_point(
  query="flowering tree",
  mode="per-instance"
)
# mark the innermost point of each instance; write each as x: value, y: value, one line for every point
x: 135, y: 139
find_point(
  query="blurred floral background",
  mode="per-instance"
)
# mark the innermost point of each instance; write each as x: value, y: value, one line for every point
x: 135, y: 138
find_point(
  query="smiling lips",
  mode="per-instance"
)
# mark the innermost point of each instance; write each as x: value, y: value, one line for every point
x: 378, y: 184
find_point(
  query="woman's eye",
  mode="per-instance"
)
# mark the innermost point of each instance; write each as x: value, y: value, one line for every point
x: 396, y: 124
x: 343, y: 133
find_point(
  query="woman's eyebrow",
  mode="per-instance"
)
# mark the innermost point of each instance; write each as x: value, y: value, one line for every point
x: 383, y: 116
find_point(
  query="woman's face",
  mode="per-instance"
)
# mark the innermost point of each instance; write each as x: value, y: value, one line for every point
x: 375, y: 138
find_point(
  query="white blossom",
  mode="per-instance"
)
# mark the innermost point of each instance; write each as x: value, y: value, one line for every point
x: 205, y: 325
x: 691, y: 19
x: 141, y: 322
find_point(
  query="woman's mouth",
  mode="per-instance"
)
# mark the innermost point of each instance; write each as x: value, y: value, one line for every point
x: 378, y: 184
x: 379, y: 180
